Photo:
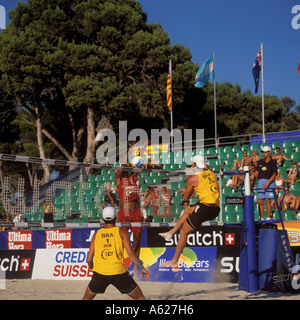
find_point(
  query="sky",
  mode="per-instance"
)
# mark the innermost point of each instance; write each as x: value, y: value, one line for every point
x: 233, y: 30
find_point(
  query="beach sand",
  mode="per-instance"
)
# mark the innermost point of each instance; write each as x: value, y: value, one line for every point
x: 74, y: 290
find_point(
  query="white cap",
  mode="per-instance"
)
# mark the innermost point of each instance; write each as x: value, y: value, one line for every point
x: 199, y: 160
x: 109, y: 213
x: 266, y: 149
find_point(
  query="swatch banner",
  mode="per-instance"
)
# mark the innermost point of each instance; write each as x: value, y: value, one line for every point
x: 17, y: 264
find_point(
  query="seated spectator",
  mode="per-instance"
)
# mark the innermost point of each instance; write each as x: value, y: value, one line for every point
x: 6, y: 219
x: 293, y: 174
x: 166, y: 196
x: 280, y: 158
x: 236, y: 164
x: 237, y: 180
x: 109, y: 199
x: 252, y: 176
x: 255, y: 157
x: 245, y: 161
x: 279, y: 181
x: 229, y: 182
x: 290, y: 201
x: 150, y: 200
x: 152, y: 164
x: 18, y: 218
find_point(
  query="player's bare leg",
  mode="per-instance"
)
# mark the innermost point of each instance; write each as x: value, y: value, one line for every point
x: 184, y: 232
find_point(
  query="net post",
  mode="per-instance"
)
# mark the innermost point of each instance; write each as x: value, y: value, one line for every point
x: 248, y: 280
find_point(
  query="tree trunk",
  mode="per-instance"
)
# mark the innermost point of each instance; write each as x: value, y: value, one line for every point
x: 89, y: 157
x: 46, y: 176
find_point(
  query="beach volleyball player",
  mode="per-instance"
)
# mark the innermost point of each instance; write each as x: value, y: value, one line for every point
x: 105, y: 258
x: 205, y: 185
x: 128, y: 193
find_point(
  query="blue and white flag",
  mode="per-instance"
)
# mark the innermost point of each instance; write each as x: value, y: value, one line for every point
x: 205, y: 73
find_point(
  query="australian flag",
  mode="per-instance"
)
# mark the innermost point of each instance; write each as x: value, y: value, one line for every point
x: 256, y: 70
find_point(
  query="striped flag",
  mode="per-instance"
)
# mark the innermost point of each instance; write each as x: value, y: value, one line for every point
x: 169, y: 89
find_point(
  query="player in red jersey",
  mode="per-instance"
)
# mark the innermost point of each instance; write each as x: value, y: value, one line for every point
x: 126, y: 184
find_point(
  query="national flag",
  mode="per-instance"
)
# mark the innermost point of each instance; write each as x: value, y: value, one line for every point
x: 205, y: 73
x: 169, y: 89
x: 256, y: 69
x: 299, y: 68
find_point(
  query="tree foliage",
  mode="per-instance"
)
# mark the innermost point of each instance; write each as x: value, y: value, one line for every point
x: 66, y: 64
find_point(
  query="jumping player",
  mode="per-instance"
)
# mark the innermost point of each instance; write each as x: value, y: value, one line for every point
x: 127, y: 189
x: 205, y: 184
x: 105, y: 258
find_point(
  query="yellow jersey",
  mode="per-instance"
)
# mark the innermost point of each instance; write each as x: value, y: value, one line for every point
x: 108, y: 252
x: 208, y: 188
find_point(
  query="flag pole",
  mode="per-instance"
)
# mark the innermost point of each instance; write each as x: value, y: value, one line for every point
x: 172, y: 133
x: 262, y: 93
x: 215, y: 105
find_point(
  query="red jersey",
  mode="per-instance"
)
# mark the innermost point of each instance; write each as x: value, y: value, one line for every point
x: 127, y: 190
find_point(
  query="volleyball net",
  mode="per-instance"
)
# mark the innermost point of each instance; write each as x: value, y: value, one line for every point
x: 75, y: 193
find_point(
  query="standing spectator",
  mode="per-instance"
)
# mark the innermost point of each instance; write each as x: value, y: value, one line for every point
x: 265, y: 173
x: 109, y: 199
x: 48, y: 210
x: 280, y: 158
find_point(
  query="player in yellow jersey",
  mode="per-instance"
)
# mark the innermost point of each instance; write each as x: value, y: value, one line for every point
x: 205, y: 184
x: 105, y: 258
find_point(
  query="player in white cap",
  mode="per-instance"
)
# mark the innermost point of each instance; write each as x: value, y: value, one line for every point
x: 205, y: 184
x: 105, y: 259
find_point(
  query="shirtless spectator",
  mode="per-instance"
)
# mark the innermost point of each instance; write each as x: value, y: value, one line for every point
x: 293, y: 174
x: 245, y: 161
x: 252, y: 176
x: 280, y: 158
x: 289, y: 201
x: 237, y: 180
x: 255, y: 157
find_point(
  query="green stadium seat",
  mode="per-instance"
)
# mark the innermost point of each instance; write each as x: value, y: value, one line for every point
x: 230, y: 217
x: 276, y: 144
x: 157, y: 219
x: 236, y: 148
x: 254, y: 146
x: 289, y: 215
x: 296, y: 143
x: 295, y: 156
x: 245, y: 147
x: 287, y: 143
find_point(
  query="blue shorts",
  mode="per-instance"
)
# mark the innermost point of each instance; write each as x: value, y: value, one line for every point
x: 265, y: 193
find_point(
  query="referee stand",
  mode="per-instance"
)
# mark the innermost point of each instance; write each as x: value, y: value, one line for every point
x: 266, y: 259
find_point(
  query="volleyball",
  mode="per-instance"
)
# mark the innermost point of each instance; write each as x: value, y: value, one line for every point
x: 137, y: 161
